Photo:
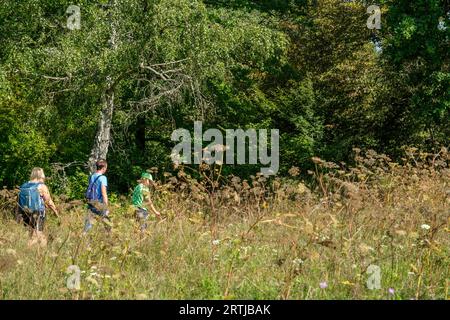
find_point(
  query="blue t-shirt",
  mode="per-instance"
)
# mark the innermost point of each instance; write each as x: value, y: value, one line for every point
x: 102, y: 181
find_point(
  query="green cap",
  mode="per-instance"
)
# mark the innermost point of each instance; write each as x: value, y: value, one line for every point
x: 146, y: 175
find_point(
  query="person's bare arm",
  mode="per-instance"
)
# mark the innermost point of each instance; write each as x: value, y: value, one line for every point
x: 48, y: 199
x: 152, y: 207
x: 104, y: 195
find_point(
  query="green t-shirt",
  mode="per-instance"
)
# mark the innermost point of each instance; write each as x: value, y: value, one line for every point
x: 138, y: 195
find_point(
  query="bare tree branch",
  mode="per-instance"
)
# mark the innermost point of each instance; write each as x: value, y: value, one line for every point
x: 57, y: 78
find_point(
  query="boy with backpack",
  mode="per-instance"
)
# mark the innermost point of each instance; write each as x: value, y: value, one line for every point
x: 141, y: 195
x: 97, y: 197
x: 34, y: 196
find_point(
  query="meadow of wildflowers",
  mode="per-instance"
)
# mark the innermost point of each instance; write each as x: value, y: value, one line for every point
x: 278, y: 238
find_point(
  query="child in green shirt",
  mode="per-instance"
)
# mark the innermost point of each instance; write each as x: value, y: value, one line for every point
x: 141, y: 195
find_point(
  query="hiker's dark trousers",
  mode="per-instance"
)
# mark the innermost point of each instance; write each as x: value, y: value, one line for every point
x: 34, y: 220
x: 93, y: 211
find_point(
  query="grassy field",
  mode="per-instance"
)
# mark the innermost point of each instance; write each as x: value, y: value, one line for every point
x: 258, y: 239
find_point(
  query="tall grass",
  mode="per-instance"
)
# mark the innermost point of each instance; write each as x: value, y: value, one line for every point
x: 258, y: 239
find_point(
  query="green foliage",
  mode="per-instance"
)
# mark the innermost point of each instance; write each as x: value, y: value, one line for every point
x: 416, y: 44
x: 77, y: 184
x: 22, y: 145
x: 307, y: 68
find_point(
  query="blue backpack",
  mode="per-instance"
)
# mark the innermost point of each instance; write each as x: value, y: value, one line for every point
x: 91, y: 192
x: 29, y: 197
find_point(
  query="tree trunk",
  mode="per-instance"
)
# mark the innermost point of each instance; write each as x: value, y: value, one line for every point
x: 103, y: 137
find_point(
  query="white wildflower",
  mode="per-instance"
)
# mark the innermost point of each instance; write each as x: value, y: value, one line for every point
x: 297, y: 261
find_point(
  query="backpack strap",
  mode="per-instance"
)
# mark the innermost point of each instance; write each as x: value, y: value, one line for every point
x: 96, y: 179
x: 41, y: 198
x: 28, y: 185
x: 94, y: 182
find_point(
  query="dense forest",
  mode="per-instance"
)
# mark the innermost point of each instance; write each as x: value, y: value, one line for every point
x: 135, y: 70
